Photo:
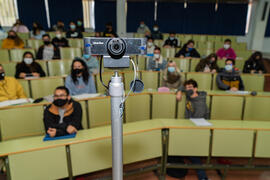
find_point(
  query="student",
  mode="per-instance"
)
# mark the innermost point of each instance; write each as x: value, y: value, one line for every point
x: 150, y: 46
x: 109, y: 32
x: 91, y: 62
x: 64, y: 115
x: 208, y: 64
x: 172, y: 41
x: 254, y: 64
x: 171, y: 77
x: 229, y: 78
x: 188, y: 50
x: 28, y: 67
x: 37, y: 31
x: 156, y: 62
x: 59, y: 40
x: 10, y: 88
x: 20, y: 27
x: 156, y: 34
x: 142, y: 29
x: 73, y: 32
x: 58, y: 26
x: 226, y: 52
x: 48, y: 51
x: 80, y: 26
x: 80, y: 81
x: 13, y: 41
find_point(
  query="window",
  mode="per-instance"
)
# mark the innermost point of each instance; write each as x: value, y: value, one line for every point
x: 89, y: 13
x: 8, y: 12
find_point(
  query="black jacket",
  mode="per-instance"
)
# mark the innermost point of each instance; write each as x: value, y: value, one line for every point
x: 185, y: 53
x: 56, y: 54
x: 74, y: 117
x: 253, y: 65
x: 34, y: 67
x: 63, y: 42
x: 172, y: 43
x: 226, y: 80
x: 157, y: 35
x: 74, y: 34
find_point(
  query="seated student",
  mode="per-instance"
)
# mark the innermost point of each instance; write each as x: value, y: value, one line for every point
x: 226, y: 52
x: 172, y: 41
x: 156, y: 34
x: 171, y: 77
x: 142, y: 29
x: 37, y: 31
x: 64, y: 115
x: 80, y: 81
x: 20, y: 27
x: 13, y: 41
x: 229, y: 78
x: 109, y: 32
x: 10, y: 88
x: 188, y: 50
x: 58, y: 26
x: 208, y: 64
x: 91, y: 62
x: 73, y: 32
x: 148, y: 35
x: 254, y: 64
x: 156, y: 62
x: 150, y: 46
x: 48, y: 51
x: 80, y: 26
x: 28, y: 67
x: 59, y: 40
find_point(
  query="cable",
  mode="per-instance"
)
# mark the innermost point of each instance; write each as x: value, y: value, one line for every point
x: 100, y: 73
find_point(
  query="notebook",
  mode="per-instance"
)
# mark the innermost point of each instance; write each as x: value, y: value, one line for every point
x: 48, y: 138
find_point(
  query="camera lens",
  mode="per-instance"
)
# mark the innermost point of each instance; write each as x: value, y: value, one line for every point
x: 116, y: 48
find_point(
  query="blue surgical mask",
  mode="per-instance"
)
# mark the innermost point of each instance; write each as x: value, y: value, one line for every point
x: 228, y: 67
x: 190, y: 49
x: 86, y: 56
x: 171, y: 69
x: 171, y: 38
x: 72, y: 26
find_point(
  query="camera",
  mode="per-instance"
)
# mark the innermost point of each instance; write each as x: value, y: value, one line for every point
x: 115, y: 51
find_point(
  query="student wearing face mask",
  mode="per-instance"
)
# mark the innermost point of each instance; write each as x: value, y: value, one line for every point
x: 64, y: 115
x: 59, y: 40
x: 10, y: 88
x: 156, y: 34
x: 226, y: 52
x: 73, y: 32
x: 48, y: 51
x: 254, y: 64
x: 28, y: 67
x: 188, y: 51
x: 156, y: 62
x: 150, y: 47
x: 208, y: 64
x: 92, y: 63
x: 142, y: 29
x: 13, y: 41
x: 80, y: 26
x: 171, y: 76
x: 109, y: 31
x: 171, y: 41
x: 80, y: 81
x: 229, y: 78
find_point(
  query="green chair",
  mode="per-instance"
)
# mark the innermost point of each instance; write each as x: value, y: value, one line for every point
x: 182, y: 64
x: 159, y: 43
x: 240, y: 46
x: 76, y: 43
x: 99, y: 111
x: 84, y: 115
x: 21, y: 122
x: 16, y: 55
x: 257, y: 108
x: 240, y: 64
x: 88, y: 34
x: 1, y: 42
x: 227, y: 107
x: 219, y: 39
x: 232, y: 38
x: 211, y: 38
x: 137, y: 107
x: 221, y: 63
x: 181, y: 107
x: 253, y: 82
x: 45, y: 86
x: 193, y: 64
x: 187, y: 37
x: 139, y: 35
x: 4, y: 56
x: 23, y: 36
x: 168, y: 52
x: 43, y: 64
x: 218, y: 45
x: 59, y: 67
x: 243, y: 55
x: 163, y: 105
x: 128, y: 77
x: 262, y: 148
x: 204, y: 80
x: 34, y: 43
x: 106, y: 77
x: 232, y: 143
x: 150, y: 79
x: 205, y: 52
x: 70, y: 53
x: 26, y: 88
x: 206, y: 45
x: 142, y: 63
x: 10, y: 68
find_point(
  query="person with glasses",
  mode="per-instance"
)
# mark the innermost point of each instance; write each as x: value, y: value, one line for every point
x: 64, y: 115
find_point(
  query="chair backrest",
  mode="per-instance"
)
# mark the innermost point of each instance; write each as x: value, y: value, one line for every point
x: 150, y: 79
x: 16, y: 55
x: 168, y: 52
x: 45, y: 86
x: 206, y: 45
x: 240, y: 64
x: 204, y: 80
x: 106, y: 77
x: 10, y: 68
x: 141, y: 62
x: 243, y: 54
x: 76, y: 43
x: 193, y: 64
x: 227, y: 107
x: 23, y: 36
x: 163, y: 105
x: 21, y: 122
x: 182, y: 64
x: 59, y: 67
x: 128, y: 78
x: 43, y: 64
x: 26, y: 88
x: 88, y: 34
x: 221, y: 63
x: 253, y: 82
x: 206, y: 52
x: 70, y: 53
x: 4, y: 56
x: 257, y: 108
x: 34, y: 43
x: 99, y: 111
x: 84, y: 115
x: 137, y: 107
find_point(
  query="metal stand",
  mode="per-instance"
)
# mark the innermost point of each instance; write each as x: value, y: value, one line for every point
x: 116, y: 89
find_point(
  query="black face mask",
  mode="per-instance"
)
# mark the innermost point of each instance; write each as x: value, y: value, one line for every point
x: 77, y: 71
x: 47, y: 42
x: 60, y: 102
x: 2, y: 76
x: 189, y: 92
x: 11, y: 37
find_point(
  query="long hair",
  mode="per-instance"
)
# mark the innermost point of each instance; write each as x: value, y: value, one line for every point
x: 254, y: 55
x: 206, y: 61
x: 35, y: 29
x: 17, y: 39
x: 85, y: 73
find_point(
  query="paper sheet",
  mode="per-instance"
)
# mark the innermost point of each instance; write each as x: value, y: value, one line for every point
x: 238, y: 92
x: 15, y: 102
x: 85, y: 96
x: 200, y: 122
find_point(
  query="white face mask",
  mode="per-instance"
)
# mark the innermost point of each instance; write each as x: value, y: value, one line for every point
x: 155, y: 29
x: 156, y: 56
x: 58, y: 36
x: 141, y: 25
x: 149, y: 44
x: 227, y: 46
x: 28, y: 60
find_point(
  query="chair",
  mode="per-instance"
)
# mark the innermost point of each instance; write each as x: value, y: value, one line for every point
x: 128, y: 77
x: 262, y: 148
x: 26, y: 88
x: 43, y: 64
x: 158, y: 43
x: 257, y: 108
x: 150, y: 79
x: 4, y: 56
x: 23, y: 36
x: 240, y: 64
x: 138, y: 35
x: 221, y: 63
x: 240, y: 46
x: 106, y: 77
x: 137, y: 103
x: 45, y: 86
x: 84, y: 115
x: 142, y: 63
x: 182, y: 64
x: 218, y: 45
x: 204, y: 80
x: 219, y: 39
x: 232, y: 38
x: 227, y: 107
x: 253, y: 82
x: 59, y: 67
x: 181, y: 107
x: 16, y: 55
x: 206, y: 45
x: 243, y: 55
x: 99, y: 111
x: 88, y: 34
x: 70, y: 53
x: 187, y: 37
x: 76, y: 43
x: 168, y: 52
x: 34, y: 43
x: 163, y: 105
x: 10, y: 68
x: 205, y: 52
x: 21, y: 122
x: 211, y: 38
x: 193, y: 64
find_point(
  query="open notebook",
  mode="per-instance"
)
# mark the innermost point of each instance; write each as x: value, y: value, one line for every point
x: 85, y: 96
x: 200, y: 122
x: 15, y: 102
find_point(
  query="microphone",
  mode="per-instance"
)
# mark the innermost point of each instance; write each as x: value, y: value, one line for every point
x: 253, y: 93
x: 38, y: 100
x: 138, y: 86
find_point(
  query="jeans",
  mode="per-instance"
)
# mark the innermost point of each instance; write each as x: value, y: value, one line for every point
x: 200, y: 172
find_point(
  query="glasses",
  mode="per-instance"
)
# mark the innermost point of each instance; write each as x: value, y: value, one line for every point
x: 59, y: 96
